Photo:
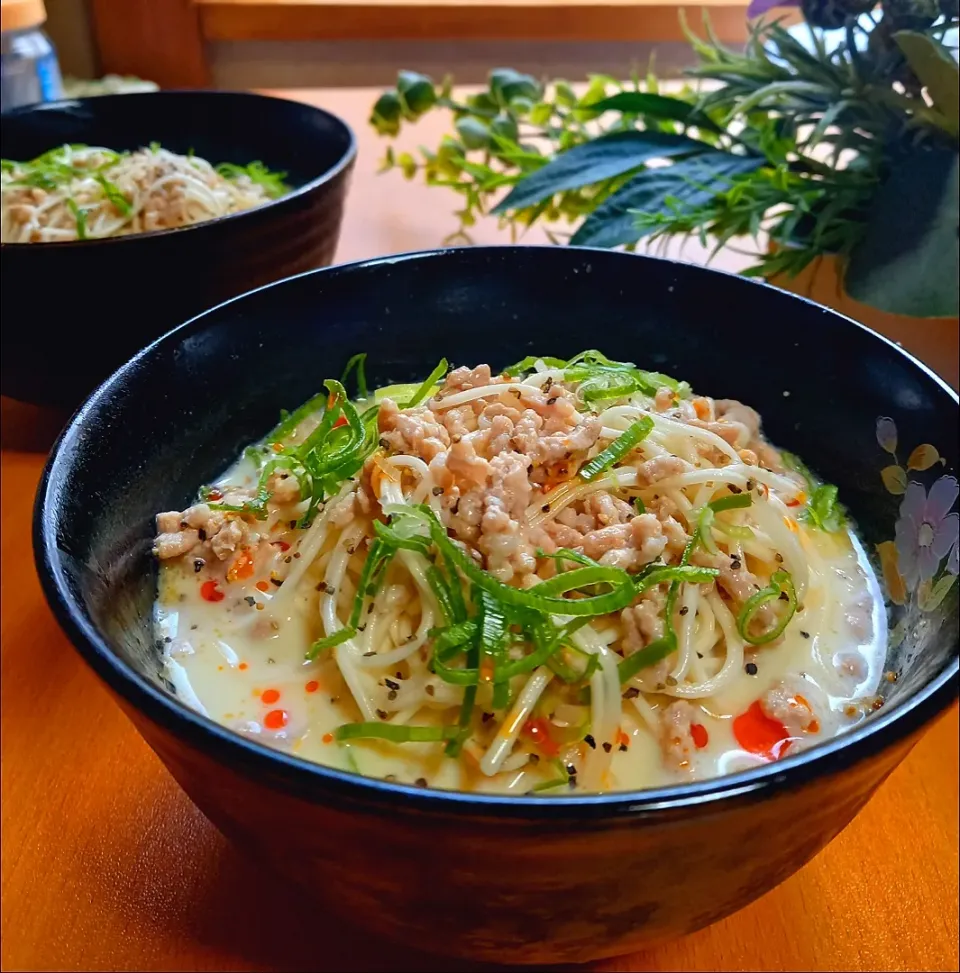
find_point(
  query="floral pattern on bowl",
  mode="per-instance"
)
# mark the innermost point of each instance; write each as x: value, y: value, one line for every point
x: 921, y: 564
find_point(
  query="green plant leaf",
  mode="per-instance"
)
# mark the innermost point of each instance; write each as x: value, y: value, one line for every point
x: 655, y: 106
x: 907, y: 262
x: 604, y: 157
x: 685, y: 184
x: 936, y: 69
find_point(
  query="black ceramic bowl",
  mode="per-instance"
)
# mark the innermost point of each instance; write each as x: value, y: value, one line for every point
x: 510, y: 879
x: 73, y: 312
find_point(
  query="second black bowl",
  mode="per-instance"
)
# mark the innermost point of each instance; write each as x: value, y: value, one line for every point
x: 73, y: 312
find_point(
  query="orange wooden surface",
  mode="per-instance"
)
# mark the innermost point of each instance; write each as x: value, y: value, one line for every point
x: 107, y: 866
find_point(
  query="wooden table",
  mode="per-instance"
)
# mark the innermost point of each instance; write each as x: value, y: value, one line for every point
x: 107, y: 866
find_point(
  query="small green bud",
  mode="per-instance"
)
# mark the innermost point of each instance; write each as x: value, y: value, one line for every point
x: 505, y: 125
x: 507, y: 84
x: 407, y: 165
x: 473, y: 133
x: 482, y: 102
x: 565, y: 95
x: 386, y: 114
x: 521, y: 106
x: 416, y: 92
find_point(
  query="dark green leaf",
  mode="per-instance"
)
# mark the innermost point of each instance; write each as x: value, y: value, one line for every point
x: 907, y: 262
x: 687, y: 184
x: 937, y: 70
x: 591, y: 162
x: 655, y: 106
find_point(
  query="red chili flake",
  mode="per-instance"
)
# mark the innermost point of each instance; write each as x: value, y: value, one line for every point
x: 340, y: 422
x: 699, y: 734
x: 270, y: 696
x: 243, y: 666
x: 538, y: 729
x: 242, y: 566
x: 757, y: 733
x: 327, y: 738
x: 283, y: 545
x: 276, y: 719
x: 210, y: 592
x: 312, y: 686
x: 262, y: 586
x: 214, y: 494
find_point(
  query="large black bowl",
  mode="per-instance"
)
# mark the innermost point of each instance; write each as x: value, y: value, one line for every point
x: 73, y: 312
x: 514, y: 879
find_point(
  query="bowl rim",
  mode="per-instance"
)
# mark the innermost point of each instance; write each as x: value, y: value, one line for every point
x: 319, y: 782
x: 343, y: 164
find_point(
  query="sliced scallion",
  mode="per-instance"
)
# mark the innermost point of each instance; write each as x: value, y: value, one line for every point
x: 619, y: 448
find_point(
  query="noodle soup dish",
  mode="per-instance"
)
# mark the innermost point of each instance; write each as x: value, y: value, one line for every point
x: 563, y: 576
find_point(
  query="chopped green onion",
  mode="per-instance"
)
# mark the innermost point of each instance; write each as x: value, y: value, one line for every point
x: 290, y: 420
x: 823, y: 509
x: 780, y: 589
x: 549, y: 785
x: 331, y: 641
x: 534, y: 598
x: 528, y: 363
x: 619, y: 448
x: 272, y: 182
x: 374, y: 568
x: 639, y: 505
x: 113, y: 193
x: 454, y: 637
x: 415, y: 542
x: 80, y: 215
x: 427, y: 387
x: 566, y: 554
x: 735, y: 501
x: 705, y: 529
x: 647, y: 656
x: 654, y: 574
x: 357, y: 362
x: 395, y: 732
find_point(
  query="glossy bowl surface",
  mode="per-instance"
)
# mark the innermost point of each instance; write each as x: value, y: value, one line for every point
x: 509, y: 879
x: 73, y: 312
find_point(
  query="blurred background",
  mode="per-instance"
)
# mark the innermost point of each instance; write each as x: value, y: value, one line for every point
x: 325, y: 43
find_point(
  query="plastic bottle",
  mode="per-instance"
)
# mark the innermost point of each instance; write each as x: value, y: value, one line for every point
x: 29, y: 71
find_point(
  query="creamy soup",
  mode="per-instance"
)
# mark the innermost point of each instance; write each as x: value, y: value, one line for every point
x: 568, y: 577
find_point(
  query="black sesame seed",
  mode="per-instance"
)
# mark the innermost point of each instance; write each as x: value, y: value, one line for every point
x: 368, y: 654
x: 631, y: 693
x: 438, y: 491
x: 684, y: 610
x: 571, y: 770
x: 250, y: 600
x: 784, y: 596
x: 429, y: 689
x: 735, y: 489
x: 382, y: 714
x: 276, y: 581
x: 167, y: 639
x: 751, y: 668
x: 806, y: 635
x: 194, y: 627
x: 699, y: 655
x: 392, y: 695
x: 383, y: 444
x: 534, y: 758
x: 390, y: 684
x: 546, y: 508
x: 486, y: 717
x: 421, y: 782
x: 202, y: 534
x: 198, y: 565
x: 778, y: 558
x: 607, y: 747
x: 623, y: 748
x: 735, y: 565
x: 590, y: 742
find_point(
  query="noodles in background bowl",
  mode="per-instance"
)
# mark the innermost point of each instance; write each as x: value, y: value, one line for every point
x: 572, y: 576
x: 83, y: 192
